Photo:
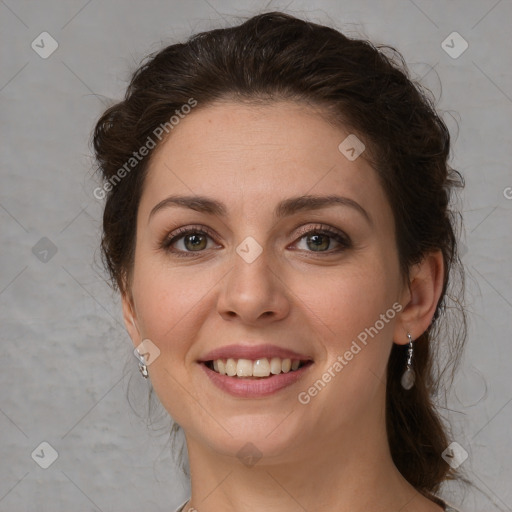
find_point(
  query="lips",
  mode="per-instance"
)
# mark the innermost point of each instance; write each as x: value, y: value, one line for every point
x: 254, y: 371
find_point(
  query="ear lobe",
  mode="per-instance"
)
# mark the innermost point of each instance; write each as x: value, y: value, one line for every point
x: 130, y: 319
x: 421, y: 298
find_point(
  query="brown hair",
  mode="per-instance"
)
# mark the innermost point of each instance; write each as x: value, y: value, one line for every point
x: 275, y: 56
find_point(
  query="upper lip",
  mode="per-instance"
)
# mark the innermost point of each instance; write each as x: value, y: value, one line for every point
x: 252, y: 352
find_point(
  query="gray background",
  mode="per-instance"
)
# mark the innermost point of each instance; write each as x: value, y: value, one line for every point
x: 66, y: 358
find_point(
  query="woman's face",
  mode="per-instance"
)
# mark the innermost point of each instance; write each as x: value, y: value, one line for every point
x: 258, y: 281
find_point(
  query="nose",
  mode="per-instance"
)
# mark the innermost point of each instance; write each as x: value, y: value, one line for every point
x: 254, y: 292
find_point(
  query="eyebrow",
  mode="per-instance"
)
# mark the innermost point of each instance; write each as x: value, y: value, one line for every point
x: 285, y: 208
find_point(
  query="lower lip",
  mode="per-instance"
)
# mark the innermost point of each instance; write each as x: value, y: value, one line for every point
x: 254, y: 388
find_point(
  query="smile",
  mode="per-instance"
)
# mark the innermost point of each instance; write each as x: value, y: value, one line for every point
x: 259, y: 368
x: 254, y: 370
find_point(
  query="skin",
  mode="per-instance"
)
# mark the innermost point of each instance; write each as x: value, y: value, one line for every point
x: 317, y: 456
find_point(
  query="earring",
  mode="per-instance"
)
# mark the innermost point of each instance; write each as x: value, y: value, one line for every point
x: 142, y: 361
x: 408, y: 376
x: 142, y: 364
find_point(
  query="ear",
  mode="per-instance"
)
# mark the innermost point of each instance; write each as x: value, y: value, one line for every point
x: 420, y: 298
x: 130, y: 319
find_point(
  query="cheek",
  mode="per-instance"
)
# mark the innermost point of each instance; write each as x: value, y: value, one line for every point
x: 353, y: 316
x: 167, y: 301
x: 169, y: 306
x: 345, y: 310
x: 344, y: 301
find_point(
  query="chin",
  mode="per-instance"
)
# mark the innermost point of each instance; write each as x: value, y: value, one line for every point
x: 265, y: 438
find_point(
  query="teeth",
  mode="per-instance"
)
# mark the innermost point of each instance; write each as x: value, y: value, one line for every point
x: 231, y: 367
x: 259, y: 368
x: 275, y: 365
x: 244, y: 368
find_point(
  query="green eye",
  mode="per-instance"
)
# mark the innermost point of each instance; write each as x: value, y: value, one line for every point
x: 194, y: 240
x: 319, y: 240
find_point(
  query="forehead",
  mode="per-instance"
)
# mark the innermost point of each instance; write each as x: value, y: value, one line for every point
x: 228, y: 130
x: 239, y: 151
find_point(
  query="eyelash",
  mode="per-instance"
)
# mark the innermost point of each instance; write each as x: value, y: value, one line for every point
x: 180, y: 233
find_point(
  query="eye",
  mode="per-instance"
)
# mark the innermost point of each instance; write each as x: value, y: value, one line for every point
x: 188, y: 240
x: 320, y: 239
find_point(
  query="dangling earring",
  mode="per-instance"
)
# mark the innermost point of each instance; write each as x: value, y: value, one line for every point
x: 142, y: 364
x: 142, y: 361
x: 408, y: 376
